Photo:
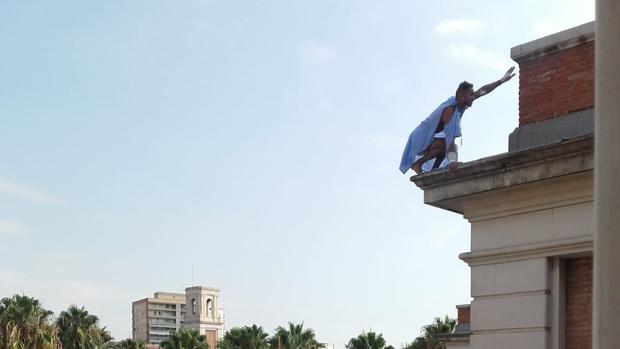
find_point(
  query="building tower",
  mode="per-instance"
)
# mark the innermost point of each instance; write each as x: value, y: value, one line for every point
x: 203, y: 313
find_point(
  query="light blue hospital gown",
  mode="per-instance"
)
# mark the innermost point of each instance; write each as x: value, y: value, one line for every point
x: 422, y: 136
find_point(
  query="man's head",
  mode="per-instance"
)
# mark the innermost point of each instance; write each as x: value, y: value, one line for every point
x: 465, y: 94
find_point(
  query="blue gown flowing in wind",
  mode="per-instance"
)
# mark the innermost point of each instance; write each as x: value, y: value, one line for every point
x: 422, y: 136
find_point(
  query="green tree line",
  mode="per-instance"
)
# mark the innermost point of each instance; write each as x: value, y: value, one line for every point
x: 25, y: 324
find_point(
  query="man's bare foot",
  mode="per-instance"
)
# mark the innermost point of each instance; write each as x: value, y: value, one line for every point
x: 417, y: 168
x: 452, y: 166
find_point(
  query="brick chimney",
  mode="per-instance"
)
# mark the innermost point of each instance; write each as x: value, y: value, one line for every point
x: 459, y: 337
x: 556, y: 87
x: 463, y: 314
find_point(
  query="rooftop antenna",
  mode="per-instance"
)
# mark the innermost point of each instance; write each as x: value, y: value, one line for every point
x: 192, y: 274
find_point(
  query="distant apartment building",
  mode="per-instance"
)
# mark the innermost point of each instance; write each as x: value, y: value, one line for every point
x: 154, y: 318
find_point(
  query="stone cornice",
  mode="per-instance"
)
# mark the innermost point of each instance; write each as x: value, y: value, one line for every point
x: 451, y: 190
x: 571, y: 246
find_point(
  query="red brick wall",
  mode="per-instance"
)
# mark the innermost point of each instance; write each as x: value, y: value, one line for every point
x: 556, y: 84
x: 579, y: 303
x: 463, y: 315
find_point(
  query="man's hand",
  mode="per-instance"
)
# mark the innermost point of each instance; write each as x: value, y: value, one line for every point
x: 486, y: 89
x: 509, y: 74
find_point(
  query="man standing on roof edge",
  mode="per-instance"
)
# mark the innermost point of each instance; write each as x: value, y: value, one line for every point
x: 433, y: 140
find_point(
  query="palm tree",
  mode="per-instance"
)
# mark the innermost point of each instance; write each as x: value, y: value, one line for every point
x: 295, y: 337
x: 80, y: 330
x: 418, y: 343
x: 368, y: 340
x: 439, y: 325
x: 130, y: 344
x: 245, y: 337
x: 427, y: 340
x: 105, y: 337
x: 25, y: 324
x: 185, y: 339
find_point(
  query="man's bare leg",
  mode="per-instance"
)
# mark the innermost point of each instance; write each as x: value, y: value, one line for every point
x: 438, y: 161
x: 438, y: 147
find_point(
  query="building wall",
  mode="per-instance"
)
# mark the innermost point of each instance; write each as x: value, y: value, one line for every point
x: 560, y: 222
x: 579, y: 303
x: 510, y: 303
x: 139, y: 320
x: 457, y: 345
x: 557, y: 84
x: 164, y: 317
x: 513, y: 265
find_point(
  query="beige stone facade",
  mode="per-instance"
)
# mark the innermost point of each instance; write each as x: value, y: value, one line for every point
x: 203, y: 313
x: 531, y: 211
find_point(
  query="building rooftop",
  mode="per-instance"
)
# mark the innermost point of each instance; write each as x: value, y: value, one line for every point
x: 169, y: 295
x: 203, y: 288
x: 450, y: 189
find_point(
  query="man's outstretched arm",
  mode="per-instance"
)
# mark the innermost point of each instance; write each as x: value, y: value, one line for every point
x: 486, y: 89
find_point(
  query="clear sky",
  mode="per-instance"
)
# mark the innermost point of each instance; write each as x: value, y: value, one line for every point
x: 257, y: 141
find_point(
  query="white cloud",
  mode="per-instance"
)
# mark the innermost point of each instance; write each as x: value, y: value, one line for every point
x: 314, y: 53
x: 23, y: 192
x: 13, y: 229
x: 472, y: 54
x: 456, y: 26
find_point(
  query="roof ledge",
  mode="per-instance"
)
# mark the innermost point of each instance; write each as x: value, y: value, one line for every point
x: 441, y: 188
x: 554, y: 42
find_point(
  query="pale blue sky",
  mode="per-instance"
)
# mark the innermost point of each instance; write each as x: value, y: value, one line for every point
x: 257, y: 141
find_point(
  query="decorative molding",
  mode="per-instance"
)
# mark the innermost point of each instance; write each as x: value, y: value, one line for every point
x: 511, y: 330
x: 579, y: 245
x: 513, y: 294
